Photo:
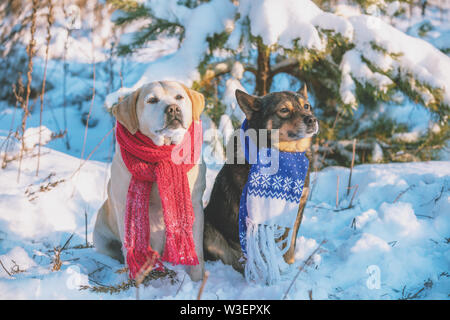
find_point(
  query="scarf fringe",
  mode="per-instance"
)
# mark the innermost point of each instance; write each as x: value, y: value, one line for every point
x: 150, y: 164
x: 136, y: 261
x: 265, y: 261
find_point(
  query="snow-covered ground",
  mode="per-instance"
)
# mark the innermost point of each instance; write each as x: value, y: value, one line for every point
x: 393, y: 243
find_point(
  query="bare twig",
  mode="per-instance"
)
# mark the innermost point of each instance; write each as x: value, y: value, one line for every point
x: 200, y: 291
x: 351, y: 167
x: 57, y: 263
x: 30, y: 52
x: 65, y: 68
x: 93, y: 95
x: 326, y: 144
x: 353, y: 225
x: 92, y: 152
x: 67, y: 242
x: 144, y: 271
x: 337, y: 192
x: 85, y: 228
x: 179, y: 288
x: 356, y: 187
x: 9, y: 274
x: 403, y: 192
x: 302, y: 267
x: 48, y: 39
x: 19, y: 100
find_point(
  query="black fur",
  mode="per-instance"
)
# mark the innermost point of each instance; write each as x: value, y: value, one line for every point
x: 221, y: 233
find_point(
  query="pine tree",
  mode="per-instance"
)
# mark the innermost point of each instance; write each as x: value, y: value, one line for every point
x: 348, y: 75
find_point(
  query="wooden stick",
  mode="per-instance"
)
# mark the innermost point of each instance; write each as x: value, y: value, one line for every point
x: 30, y: 52
x: 9, y: 274
x: 92, y: 152
x: 302, y: 267
x: 337, y: 192
x: 92, y: 100
x: 143, y: 272
x: 356, y: 186
x: 179, y: 288
x: 85, y: 227
x: 351, y: 167
x: 47, y: 47
x: 200, y: 291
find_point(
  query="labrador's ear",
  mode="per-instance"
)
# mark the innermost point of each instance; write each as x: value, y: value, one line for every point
x: 248, y: 103
x: 125, y: 112
x: 198, y: 102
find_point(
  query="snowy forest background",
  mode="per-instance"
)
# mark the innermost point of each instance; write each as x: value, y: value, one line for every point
x: 378, y: 74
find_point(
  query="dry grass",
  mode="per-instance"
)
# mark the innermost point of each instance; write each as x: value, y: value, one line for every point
x: 57, y: 262
x: 50, y: 20
x: 15, y: 269
x: 93, y: 96
x: 31, y: 52
x: 417, y: 294
x: 48, y: 185
x: 126, y: 285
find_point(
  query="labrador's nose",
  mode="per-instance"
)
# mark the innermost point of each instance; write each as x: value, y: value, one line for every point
x: 309, y: 120
x: 173, y: 110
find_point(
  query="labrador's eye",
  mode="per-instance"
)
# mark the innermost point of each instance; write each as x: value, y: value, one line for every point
x: 307, y: 106
x: 153, y: 100
x: 179, y: 97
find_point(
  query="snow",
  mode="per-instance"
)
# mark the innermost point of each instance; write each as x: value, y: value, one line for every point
x: 402, y: 225
x: 182, y: 64
x: 419, y: 58
x: 31, y: 137
x: 393, y: 239
x: 282, y: 21
x: 416, y: 57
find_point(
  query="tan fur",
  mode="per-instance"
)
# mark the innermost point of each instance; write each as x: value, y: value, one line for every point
x: 125, y: 112
x: 109, y: 227
x: 198, y: 102
x: 299, y: 145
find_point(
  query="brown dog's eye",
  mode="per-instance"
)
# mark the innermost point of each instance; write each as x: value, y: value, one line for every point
x: 284, y: 110
x: 153, y: 100
x: 179, y: 97
x: 306, y: 106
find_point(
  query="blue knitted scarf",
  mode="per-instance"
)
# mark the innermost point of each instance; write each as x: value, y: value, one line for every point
x: 269, y: 204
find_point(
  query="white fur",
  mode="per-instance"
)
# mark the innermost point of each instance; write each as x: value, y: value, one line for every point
x: 110, y: 227
x: 151, y: 116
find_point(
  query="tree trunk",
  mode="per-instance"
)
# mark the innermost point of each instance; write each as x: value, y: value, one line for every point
x: 263, y: 79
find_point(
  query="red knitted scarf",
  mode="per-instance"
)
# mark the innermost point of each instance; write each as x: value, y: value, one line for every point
x: 150, y: 163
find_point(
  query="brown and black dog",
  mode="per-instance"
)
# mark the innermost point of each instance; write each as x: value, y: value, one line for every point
x: 290, y: 113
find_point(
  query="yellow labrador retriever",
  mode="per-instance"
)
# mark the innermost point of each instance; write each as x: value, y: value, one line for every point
x: 162, y: 111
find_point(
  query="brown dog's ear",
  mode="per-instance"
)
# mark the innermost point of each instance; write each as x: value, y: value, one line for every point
x: 248, y: 103
x: 198, y: 102
x: 125, y: 112
x: 304, y: 91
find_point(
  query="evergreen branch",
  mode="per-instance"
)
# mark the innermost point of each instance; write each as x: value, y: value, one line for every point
x: 151, y: 32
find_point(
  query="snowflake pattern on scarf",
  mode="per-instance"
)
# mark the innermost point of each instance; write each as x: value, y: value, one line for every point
x: 286, y: 184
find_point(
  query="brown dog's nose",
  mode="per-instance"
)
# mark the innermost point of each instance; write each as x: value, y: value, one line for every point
x: 309, y: 120
x: 173, y: 110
